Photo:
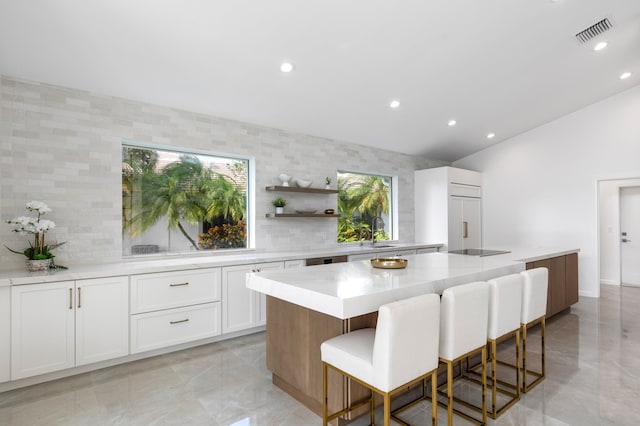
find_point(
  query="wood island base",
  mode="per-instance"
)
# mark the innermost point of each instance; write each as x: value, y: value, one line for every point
x: 294, y: 336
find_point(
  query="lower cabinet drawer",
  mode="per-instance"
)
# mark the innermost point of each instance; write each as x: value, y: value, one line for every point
x: 160, y: 329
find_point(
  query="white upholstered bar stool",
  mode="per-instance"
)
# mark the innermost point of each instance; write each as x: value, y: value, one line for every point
x: 505, y: 296
x: 401, y: 351
x: 534, y: 309
x: 464, y: 311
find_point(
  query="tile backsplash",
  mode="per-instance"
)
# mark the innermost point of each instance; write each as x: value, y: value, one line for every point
x: 63, y: 146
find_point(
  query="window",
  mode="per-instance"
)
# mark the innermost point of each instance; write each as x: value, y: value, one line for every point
x: 366, y: 207
x: 175, y: 201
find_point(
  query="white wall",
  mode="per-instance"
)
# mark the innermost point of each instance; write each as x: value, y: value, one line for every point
x: 549, y: 176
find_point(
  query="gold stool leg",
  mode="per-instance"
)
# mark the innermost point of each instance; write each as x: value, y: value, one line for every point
x: 543, y: 327
x: 434, y: 398
x: 450, y: 393
x: 524, y: 358
x: 484, y: 385
x: 518, y: 362
x: 325, y: 408
x: 387, y: 409
x: 494, y: 378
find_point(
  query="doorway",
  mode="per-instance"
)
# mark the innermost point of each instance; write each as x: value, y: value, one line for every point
x: 609, y: 229
x: 630, y: 235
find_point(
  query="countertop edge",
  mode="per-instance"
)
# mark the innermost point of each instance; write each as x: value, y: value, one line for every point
x: 147, y: 266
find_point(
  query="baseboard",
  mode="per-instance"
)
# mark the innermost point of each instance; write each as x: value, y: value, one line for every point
x: 609, y: 282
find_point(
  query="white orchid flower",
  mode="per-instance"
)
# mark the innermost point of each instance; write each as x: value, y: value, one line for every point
x: 38, y: 206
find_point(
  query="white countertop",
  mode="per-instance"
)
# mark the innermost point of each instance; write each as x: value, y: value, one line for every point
x: 141, y: 265
x: 346, y: 290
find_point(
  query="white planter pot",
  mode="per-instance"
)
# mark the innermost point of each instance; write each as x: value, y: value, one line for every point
x: 279, y: 210
x: 38, y: 265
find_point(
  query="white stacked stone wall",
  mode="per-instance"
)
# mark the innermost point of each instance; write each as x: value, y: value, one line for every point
x: 63, y: 146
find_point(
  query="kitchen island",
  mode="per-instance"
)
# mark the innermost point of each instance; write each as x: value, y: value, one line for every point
x: 310, y: 305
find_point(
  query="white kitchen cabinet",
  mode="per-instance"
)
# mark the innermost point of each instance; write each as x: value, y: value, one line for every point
x: 102, y: 319
x: 42, y: 328
x: 243, y: 308
x: 159, y: 329
x: 448, y: 207
x: 169, y: 308
x: 5, y: 334
x: 164, y: 290
x: 65, y: 324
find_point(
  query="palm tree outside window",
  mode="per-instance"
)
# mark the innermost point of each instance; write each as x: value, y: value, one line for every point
x: 174, y: 201
x: 365, y: 205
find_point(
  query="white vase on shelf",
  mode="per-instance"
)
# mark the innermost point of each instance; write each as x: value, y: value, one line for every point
x: 284, y: 178
x: 280, y: 210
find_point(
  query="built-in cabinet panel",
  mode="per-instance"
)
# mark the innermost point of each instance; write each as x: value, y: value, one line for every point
x: 243, y: 308
x: 448, y: 207
x: 42, y: 328
x: 563, y: 281
x: 465, y: 222
x: 5, y: 334
x: 102, y: 319
x: 571, y: 283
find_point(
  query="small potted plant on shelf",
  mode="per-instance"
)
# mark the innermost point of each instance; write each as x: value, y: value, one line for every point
x: 279, y: 204
x: 39, y: 256
x: 327, y: 183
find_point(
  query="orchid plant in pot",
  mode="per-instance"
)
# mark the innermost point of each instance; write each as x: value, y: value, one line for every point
x: 39, y: 256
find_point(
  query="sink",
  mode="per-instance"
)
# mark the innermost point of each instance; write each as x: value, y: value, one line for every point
x: 382, y: 246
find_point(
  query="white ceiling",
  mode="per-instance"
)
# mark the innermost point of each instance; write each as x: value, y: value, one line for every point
x: 502, y: 66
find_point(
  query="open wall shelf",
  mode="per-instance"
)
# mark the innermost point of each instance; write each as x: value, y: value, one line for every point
x: 298, y: 189
x: 279, y: 215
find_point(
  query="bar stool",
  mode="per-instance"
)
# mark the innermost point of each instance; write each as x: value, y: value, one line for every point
x: 464, y: 313
x: 534, y: 309
x: 505, y: 296
x: 400, y: 352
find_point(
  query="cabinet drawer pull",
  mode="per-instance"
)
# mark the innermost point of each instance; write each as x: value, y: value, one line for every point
x: 465, y: 229
x: 70, y: 298
x: 179, y: 321
x: 179, y: 284
x: 79, y: 298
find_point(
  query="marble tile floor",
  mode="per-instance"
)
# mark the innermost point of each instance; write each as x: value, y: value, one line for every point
x: 593, y: 369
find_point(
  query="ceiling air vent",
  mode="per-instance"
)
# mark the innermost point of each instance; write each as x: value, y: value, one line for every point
x: 594, y: 30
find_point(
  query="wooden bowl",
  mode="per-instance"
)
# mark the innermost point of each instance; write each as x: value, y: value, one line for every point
x: 389, y: 262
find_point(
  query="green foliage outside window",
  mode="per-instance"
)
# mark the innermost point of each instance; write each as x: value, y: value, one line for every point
x: 184, y: 189
x: 363, y: 200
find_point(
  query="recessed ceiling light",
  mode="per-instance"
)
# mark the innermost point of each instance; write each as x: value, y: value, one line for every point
x: 491, y: 135
x: 286, y: 67
x: 451, y: 123
x: 394, y: 104
x: 600, y: 46
x: 625, y: 75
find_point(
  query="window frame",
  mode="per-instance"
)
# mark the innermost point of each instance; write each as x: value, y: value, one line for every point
x: 251, y: 183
